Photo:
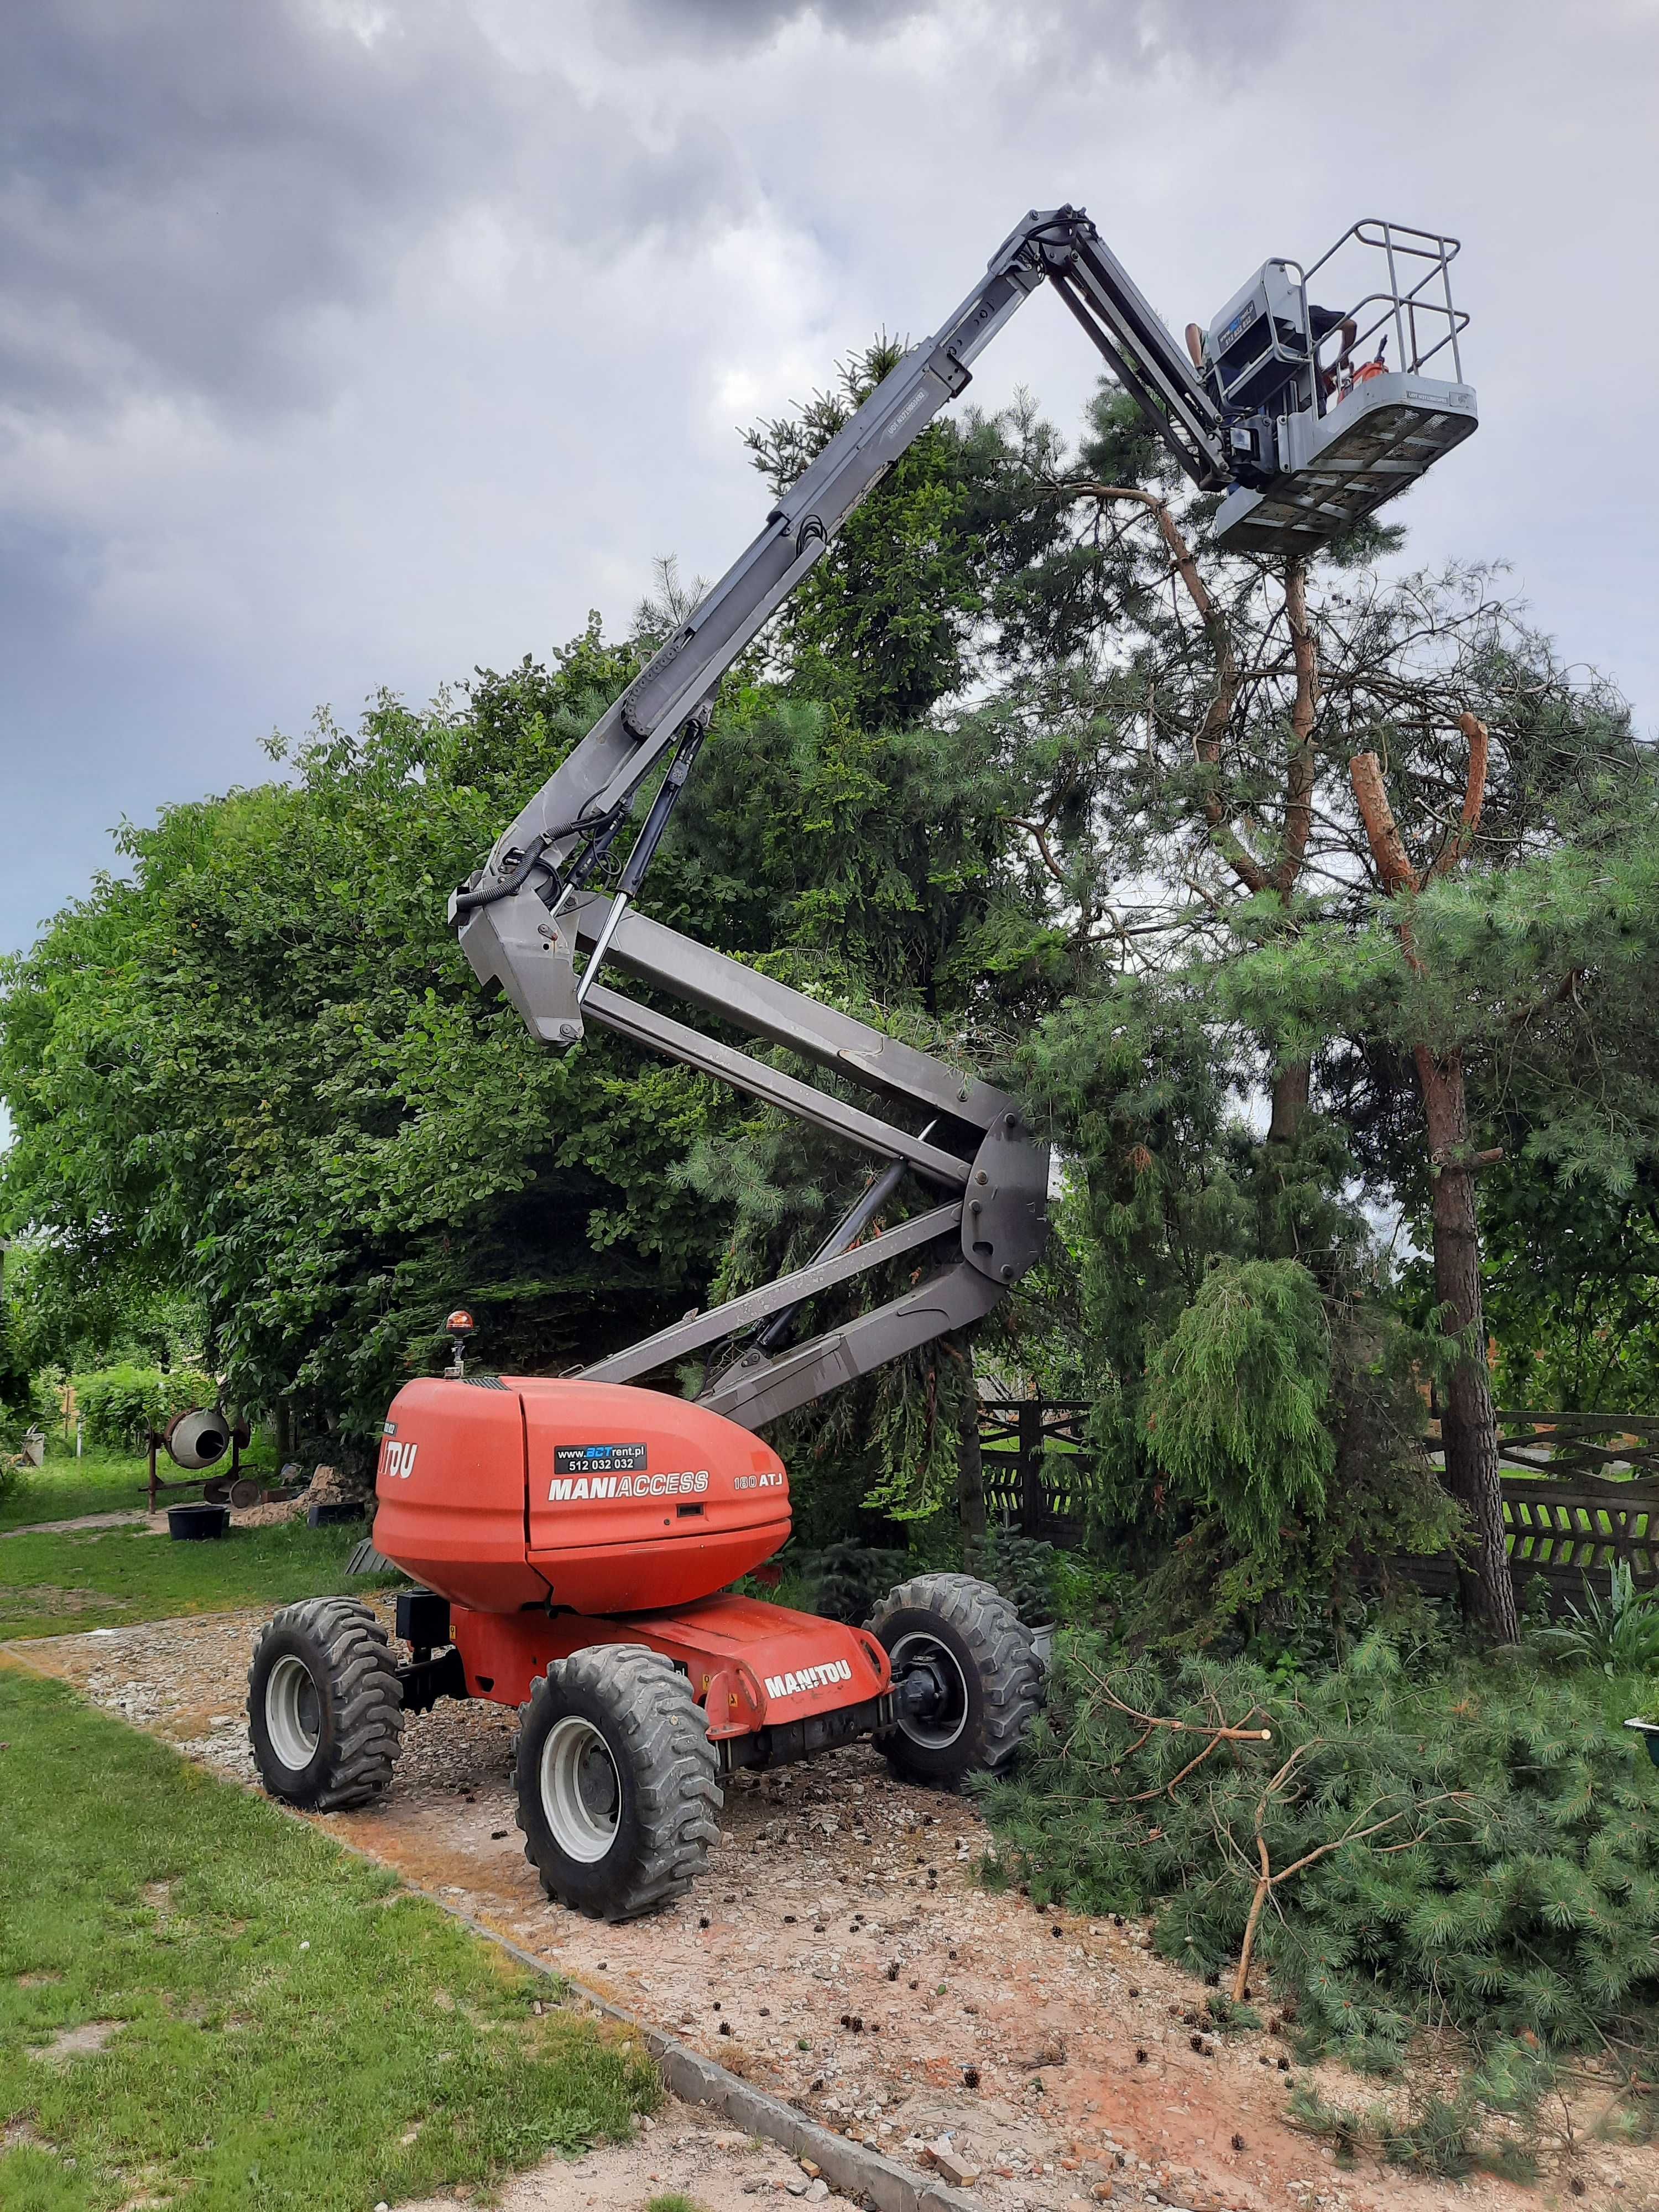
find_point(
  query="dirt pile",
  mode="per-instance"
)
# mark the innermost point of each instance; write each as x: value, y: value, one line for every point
x: 327, y: 1486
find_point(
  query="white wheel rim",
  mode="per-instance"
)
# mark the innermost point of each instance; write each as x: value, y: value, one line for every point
x: 920, y: 1649
x: 293, y: 1713
x: 581, y: 1790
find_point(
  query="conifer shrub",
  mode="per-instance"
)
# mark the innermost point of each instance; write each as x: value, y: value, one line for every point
x: 1450, y: 1842
x: 846, y: 1581
x: 1026, y: 1569
x: 1236, y: 1395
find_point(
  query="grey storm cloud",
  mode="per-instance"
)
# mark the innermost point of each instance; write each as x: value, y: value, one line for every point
x: 192, y: 195
x: 724, y: 24
x: 1042, y: 35
x: 190, y: 190
x: 346, y: 342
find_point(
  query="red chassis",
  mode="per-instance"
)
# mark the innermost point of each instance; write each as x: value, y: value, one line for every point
x: 558, y: 1517
x: 790, y: 1682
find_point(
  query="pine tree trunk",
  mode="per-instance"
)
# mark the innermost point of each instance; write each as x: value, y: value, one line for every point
x: 1289, y: 1107
x: 1289, y: 1104
x: 1468, y: 1425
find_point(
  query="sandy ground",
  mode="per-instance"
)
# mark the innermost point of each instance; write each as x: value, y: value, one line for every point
x: 840, y: 1954
x: 684, y: 2151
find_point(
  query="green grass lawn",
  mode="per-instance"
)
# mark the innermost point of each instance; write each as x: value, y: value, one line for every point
x: 65, y: 1583
x: 72, y: 1580
x: 283, y: 2027
x: 101, y: 1482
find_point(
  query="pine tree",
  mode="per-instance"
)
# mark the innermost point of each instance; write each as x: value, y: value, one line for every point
x: 1443, y: 1842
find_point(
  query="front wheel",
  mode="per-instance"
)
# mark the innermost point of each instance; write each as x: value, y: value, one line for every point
x: 619, y: 1798
x: 966, y: 1678
x: 324, y: 1706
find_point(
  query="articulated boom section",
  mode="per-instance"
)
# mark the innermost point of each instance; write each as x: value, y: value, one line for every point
x: 1272, y: 402
x: 976, y: 1157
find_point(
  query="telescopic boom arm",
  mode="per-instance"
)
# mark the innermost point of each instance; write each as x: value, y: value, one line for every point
x: 1061, y: 245
x: 1248, y: 415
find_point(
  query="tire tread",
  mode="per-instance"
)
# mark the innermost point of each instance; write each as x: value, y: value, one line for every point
x: 363, y: 1687
x: 678, y: 1789
x: 1010, y: 1672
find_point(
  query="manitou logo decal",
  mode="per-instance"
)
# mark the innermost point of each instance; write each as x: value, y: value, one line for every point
x: 565, y: 1491
x: 809, y: 1678
x: 398, y: 1459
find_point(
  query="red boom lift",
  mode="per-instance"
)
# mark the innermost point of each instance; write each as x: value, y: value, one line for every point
x: 574, y: 1541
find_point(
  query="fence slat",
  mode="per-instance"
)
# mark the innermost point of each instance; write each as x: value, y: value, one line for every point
x: 1563, y: 1517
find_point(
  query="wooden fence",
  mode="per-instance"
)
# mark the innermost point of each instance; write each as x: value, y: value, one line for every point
x: 1584, y: 1490
x: 1586, y: 1494
x: 1033, y: 1458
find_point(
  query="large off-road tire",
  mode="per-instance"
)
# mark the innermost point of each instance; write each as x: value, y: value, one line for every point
x: 963, y: 1642
x: 324, y: 1706
x: 1035, y: 1637
x: 618, y: 1788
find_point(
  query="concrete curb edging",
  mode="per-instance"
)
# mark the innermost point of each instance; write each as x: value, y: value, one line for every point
x: 848, y: 2166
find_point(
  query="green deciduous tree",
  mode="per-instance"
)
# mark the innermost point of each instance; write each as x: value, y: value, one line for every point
x: 256, y: 1068
x: 1571, y: 1286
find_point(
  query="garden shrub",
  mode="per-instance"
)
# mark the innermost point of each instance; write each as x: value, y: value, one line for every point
x: 846, y: 1581
x: 120, y: 1404
x: 1510, y: 1884
x: 12, y: 1426
x: 1236, y: 1396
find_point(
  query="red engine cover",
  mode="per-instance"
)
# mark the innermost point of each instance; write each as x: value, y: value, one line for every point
x: 595, y: 1496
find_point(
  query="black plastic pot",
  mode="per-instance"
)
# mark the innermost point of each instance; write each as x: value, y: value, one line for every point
x: 1649, y: 1732
x: 197, y: 1524
x: 334, y: 1513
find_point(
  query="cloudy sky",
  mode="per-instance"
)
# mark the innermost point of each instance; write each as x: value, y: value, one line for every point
x: 346, y: 342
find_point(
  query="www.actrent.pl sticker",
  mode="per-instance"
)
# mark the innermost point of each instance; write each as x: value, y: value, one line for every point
x: 598, y: 1459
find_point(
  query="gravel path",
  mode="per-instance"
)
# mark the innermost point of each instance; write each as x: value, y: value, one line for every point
x: 121, y: 1520
x: 840, y: 1954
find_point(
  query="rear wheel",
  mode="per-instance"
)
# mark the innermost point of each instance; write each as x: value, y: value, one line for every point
x: 324, y: 1706
x: 618, y: 1795
x: 967, y: 1678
